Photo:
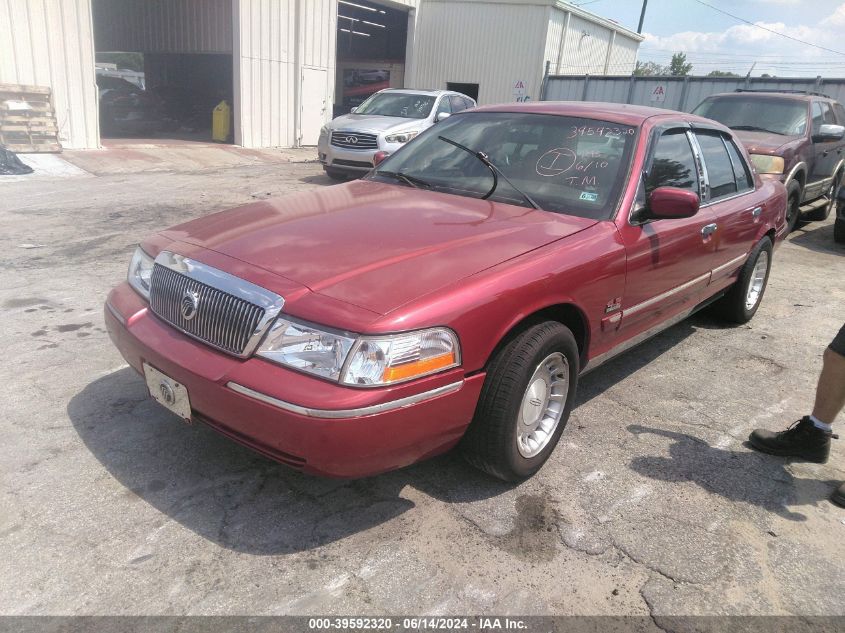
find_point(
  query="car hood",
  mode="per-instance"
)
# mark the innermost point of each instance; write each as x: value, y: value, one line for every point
x: 373, y: 245
x: 374, y: 123
x: 765, y: 142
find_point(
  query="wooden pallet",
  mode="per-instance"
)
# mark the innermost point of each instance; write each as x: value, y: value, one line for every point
x: 27, y: 120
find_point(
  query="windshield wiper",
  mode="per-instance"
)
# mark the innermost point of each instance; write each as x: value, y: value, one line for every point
x: 410, y: 180
x: 493, y: 170
x: 754, y: 128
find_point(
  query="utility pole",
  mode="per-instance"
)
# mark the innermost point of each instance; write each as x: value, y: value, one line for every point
x: 642, y: 17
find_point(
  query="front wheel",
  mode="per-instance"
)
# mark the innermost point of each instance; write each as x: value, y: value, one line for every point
x: 839, y: 231
x: 793, y: 205
x: 744, y: 297
x: 525, y: 403
x: 334, y: 174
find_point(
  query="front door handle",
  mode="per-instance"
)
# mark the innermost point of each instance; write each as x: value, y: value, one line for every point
x: 756, y: 211
x: 708, y: 229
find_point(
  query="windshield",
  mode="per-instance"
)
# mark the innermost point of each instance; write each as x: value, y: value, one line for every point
x: 568, y: 165
x: 408, y: 106
x: 787, y: 117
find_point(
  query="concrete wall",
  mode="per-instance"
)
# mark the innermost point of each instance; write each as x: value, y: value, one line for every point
x: 50, y: 43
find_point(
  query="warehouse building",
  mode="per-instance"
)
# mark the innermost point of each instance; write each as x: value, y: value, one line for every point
x: 285, y: 66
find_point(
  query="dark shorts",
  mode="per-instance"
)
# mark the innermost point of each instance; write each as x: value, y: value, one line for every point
x: 838, y: 343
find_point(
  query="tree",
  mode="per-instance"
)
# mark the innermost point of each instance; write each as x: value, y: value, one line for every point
x: 679, y: 66
x: 647, y: 69
x: 721, y: 73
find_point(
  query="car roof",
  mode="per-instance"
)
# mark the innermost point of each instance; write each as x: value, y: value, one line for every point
x: 410, y: 91
x: 623, y: 113
x: 774, y: 94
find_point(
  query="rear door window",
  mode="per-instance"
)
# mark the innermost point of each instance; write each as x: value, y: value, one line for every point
x: 717, y: 162
x: 742, y: 174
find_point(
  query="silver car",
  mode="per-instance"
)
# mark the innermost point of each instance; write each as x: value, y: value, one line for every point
x: 383, y: 123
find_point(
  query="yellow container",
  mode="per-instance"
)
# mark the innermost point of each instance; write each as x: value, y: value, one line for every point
x: 220, y: 122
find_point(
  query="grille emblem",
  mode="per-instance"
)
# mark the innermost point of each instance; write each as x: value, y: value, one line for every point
x: 350, y: 139
x: 189, y: 306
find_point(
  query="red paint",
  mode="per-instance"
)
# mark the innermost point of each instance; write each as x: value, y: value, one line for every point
x: 370, y: 257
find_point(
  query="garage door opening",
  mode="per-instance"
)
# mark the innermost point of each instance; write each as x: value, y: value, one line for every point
x: 470, y: 90
x: 371, y: 41
x: 162, y: 68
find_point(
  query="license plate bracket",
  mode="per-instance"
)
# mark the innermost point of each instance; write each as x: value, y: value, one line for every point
x: 168, y: 392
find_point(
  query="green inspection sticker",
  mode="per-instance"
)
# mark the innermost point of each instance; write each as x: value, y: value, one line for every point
x: 590, y: 196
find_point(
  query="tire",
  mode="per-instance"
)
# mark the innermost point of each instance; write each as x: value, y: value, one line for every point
x: 818, y: 215
x: 499, y: 439
x: 839, y: 231
x: 739, y: 305
x: 335, y: 174
x: 793, y: 205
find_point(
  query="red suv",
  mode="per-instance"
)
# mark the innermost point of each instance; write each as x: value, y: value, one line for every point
x: 796, y: 138
x: 456, y: 293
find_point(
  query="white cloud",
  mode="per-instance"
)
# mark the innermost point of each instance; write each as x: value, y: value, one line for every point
x: 739, y: 46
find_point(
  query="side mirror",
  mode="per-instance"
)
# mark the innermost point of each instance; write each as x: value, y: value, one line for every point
x: 829, y: 132
x: 667, y: 203
x: 442, y: 117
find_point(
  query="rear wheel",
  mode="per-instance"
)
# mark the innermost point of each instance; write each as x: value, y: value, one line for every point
x: 793, y: 205
x: 525, y: 403
x: 824, y: 212
x: 744, y: 297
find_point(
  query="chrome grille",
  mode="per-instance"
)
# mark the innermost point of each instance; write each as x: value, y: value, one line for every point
x: 222, y: 320
x: 354, y: 140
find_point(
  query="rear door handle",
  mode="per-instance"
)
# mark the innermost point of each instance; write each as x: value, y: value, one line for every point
x: 708, y: 229
x: 756, y: 211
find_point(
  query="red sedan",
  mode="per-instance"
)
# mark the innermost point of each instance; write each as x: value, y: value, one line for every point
x: 456, y: 293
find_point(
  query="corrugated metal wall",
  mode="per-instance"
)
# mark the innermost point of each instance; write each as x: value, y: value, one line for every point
x: 578, y: 43
x: 454, y: 41
x: 163, y: 26
x: 50, y: 43
x: 680, y: 93
x: 274, y: 41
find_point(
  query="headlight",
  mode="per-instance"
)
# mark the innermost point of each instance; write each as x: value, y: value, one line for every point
x: 402, y: 137
x: 307, y: 348
x: 384, y: 360
x: 362, y: 361
x: 140, y: 271
x: 324, y: 131
x: 767, y: 164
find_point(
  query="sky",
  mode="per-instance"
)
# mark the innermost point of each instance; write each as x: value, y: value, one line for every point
x: 715, y: 41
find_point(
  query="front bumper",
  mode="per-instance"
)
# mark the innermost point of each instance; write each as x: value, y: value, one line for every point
x: 304, y: 422
x: 351, y: 161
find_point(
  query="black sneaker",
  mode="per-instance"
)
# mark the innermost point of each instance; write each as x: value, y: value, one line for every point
x: 838, y: 496
x: 802, y: 439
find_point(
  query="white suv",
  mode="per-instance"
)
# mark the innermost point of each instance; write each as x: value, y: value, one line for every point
x: 384, y: 122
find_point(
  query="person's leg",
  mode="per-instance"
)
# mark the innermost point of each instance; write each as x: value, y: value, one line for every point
x: 809, y: 438
x: 830, y: 392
